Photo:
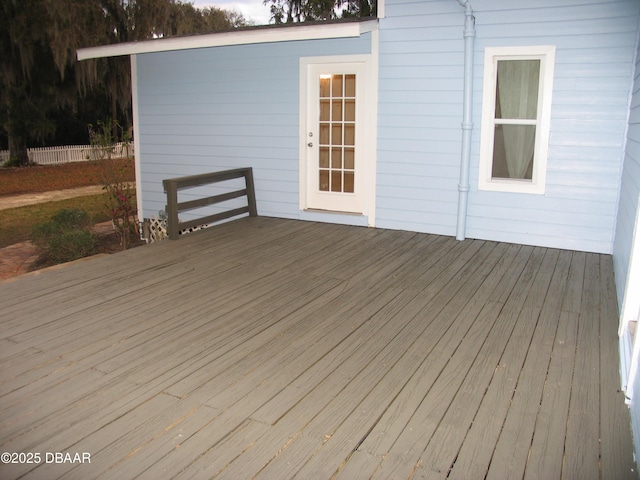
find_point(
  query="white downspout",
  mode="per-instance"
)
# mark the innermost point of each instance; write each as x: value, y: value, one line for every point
x: 467, y: 124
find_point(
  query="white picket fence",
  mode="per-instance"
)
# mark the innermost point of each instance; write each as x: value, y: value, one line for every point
x: 71, y: 153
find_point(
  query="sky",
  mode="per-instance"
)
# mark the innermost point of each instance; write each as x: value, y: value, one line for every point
x: 250, y: 9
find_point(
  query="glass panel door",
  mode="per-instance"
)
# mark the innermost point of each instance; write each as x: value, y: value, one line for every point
x: 334, y: 164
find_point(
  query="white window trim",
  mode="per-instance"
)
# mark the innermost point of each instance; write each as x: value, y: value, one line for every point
x: 546, y: 55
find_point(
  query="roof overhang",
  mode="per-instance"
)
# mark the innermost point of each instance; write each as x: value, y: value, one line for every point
x: 269, y: 34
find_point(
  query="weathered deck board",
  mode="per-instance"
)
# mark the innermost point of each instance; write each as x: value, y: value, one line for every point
x: 583, y: 433
x: 617, y: 454
x: 268, y: 348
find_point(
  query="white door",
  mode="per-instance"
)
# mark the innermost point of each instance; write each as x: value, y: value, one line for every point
x: 334, y: 153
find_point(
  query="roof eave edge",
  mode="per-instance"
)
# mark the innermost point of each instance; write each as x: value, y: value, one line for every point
x: 243, y: 37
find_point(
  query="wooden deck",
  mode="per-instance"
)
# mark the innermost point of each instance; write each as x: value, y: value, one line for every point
x: 275, y: 349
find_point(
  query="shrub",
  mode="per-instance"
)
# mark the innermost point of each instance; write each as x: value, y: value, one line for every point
x: 72, y: 219
x: 65, y: 237
x: 71, y: 245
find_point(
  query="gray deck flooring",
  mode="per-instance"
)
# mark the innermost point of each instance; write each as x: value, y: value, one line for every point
x: 277, y: 349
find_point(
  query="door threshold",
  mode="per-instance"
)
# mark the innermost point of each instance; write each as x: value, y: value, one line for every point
x: 336, y: 212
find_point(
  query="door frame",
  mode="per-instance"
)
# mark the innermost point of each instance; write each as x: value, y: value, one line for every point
x: 367, y: 126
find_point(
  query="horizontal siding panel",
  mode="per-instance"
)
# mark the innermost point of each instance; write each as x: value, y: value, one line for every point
x: 234, y: 110
x: 274, y: 174
x: 217, y: 90
x: 589, y: 60
x: 520, y: 26
x: 418, y: 85
x: 273, y: 193
x: 425, y: 134
x: 435, y: 35
x: 391, y: 149
x: 554, y: 13
x: 626, y: 216
x: 582, y: 111
x: 577, y: 158
x: 422, y: 60
x: 597, y: 126
x: 419, y: 162
x: 414, y: 212
x: 423, y: 16
x: 436, y: 183
x: 497, y: 5
x: 411, y: 9
x: 536, y: 220
x: 215, y: 97
x: 433, y: 101
x: 555, y: 206
x: 394, y: 111
x: 198, y: 73
x: 606, y: 101
x: 216, y: 119
x: 420, y: 121
x: 224, y: 134
x: 634, y: 117
x: 633, y: 152
x: 614, y: 140
x: 611, y: 82
x: 413, y: 43
x: 220, y: 142
x: 580, y: 180
x: 429, y: 198
x: 582, y: 239
x: 587, y: 194
x: 209, y: 163
x: 437, y: 224
x: 578, y: 44
x: 589, y: 82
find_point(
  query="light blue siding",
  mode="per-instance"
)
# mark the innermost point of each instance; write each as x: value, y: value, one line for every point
x: 212, y: 109
x: 420, y: 112
x: 629, y: 192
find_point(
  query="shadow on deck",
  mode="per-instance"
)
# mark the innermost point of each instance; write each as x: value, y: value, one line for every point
x: 274, y: 348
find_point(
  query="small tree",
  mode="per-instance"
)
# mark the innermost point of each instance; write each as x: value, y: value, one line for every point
x: 121, y: 201
x: 121, y: 195
x: 102, y: 139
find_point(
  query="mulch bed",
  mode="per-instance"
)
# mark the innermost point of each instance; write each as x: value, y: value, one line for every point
x: 44, y: 178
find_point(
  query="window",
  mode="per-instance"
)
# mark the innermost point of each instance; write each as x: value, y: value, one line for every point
x: 516, y: 110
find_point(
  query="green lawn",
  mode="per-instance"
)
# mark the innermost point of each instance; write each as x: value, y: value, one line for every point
x: 16, y: 223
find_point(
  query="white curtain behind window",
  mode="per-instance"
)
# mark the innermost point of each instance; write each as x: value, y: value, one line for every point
x: 517, y: 98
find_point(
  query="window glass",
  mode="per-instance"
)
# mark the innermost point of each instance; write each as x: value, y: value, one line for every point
x: 517, y: 89
x: 337, y: 136
x: 513, y: 148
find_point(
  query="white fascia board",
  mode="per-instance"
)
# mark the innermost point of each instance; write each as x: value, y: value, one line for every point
x: 240, y: 37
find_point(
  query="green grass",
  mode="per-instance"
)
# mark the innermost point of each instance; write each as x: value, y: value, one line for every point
x: 16, y: 223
